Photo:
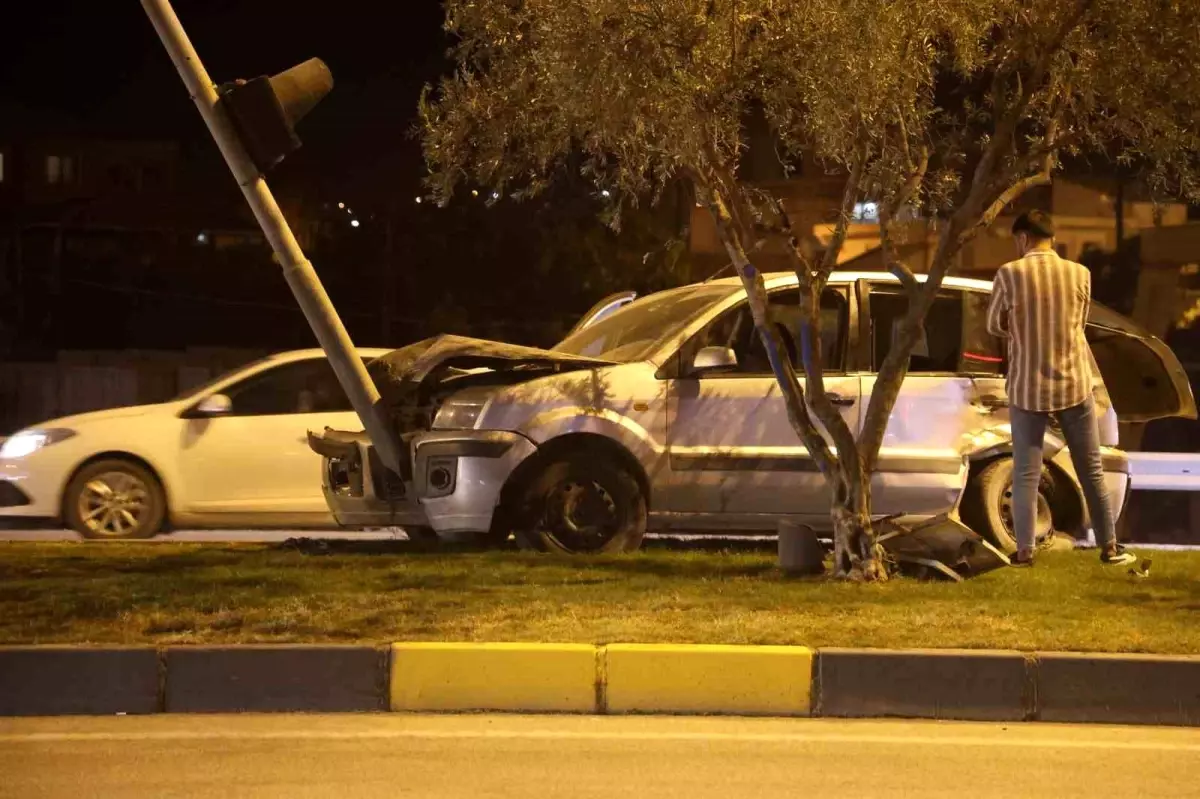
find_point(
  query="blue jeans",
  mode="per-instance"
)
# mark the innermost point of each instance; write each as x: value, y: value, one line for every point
x: 1082, y: 435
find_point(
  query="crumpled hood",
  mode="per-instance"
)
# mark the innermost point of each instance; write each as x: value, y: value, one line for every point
x: 411, y: 376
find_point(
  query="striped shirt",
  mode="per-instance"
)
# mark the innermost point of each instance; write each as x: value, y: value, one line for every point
x: 1040, y: 304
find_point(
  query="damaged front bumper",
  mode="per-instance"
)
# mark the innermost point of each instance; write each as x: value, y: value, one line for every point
x: 450, y: 481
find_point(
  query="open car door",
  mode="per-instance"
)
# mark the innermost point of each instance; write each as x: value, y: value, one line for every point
x: 1143, y: 377
x: 613, y: 302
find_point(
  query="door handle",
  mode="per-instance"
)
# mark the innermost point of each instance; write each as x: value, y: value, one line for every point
x: 838, y: 399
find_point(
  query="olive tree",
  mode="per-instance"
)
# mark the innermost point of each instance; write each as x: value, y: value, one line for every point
x: 948, y: 109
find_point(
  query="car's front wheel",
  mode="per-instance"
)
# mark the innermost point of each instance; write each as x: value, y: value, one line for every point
x: 582, y: 503
x: 987, y: 506
x: 113, y: 500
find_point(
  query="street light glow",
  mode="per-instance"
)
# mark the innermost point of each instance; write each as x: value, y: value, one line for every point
x: 353, y: 223
x: 341, y: 205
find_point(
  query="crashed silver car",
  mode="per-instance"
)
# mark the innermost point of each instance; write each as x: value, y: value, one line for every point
x: 662, y: 414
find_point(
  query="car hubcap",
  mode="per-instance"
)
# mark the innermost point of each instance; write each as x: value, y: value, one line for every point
x: 581, y: 516
x: 114, y: 504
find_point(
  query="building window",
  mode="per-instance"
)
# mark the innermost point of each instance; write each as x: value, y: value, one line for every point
x: 61, y: 169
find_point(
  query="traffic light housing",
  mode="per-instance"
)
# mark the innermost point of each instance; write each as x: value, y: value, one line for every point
x: 265, y: 110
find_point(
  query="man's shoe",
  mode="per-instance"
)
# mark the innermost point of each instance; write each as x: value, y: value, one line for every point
x: 1021, y: 559
x: 1116, y: 555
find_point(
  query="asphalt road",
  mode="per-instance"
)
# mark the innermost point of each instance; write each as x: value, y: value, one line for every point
x: 514, y: 756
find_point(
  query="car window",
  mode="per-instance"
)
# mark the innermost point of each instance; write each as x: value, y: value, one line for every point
x: 308, y: 386
x: 982, y: 353
x: 207, y: 385
x: 940, y: 347
x: 735, y: 329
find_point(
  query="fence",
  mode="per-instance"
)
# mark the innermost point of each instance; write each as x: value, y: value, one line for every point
x: 82, y: 381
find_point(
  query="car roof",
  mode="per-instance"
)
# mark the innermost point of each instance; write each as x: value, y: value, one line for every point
x: 777, y: 279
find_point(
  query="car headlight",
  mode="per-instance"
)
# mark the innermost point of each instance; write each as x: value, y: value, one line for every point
x: 28, y: 442
x: 458, y: 414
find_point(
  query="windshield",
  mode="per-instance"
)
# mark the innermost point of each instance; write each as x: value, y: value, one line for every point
x: 633, y: 332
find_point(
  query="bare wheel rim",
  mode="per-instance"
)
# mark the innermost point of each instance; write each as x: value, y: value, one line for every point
x: 581, y: 516
x: 114, y: 504
x: 1006, y: 507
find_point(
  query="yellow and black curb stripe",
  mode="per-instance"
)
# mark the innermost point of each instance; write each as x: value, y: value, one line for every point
x: 615, y: 678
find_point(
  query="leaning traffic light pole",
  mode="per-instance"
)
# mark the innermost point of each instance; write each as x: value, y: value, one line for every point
x: 252, y: 125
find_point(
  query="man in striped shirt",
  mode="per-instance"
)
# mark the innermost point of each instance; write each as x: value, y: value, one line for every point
x: 1040, y: 304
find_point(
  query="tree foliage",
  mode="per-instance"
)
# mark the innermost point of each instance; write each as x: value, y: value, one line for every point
x: 949, y: 109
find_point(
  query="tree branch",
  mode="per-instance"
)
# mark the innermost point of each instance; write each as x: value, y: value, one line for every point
x: 1047, y: 154
x: 904, y: 146
x: 907, y: 191
x: 893, y: 264
x: 849, y: 197
x: 785, y: 374
x: 1006, y: 123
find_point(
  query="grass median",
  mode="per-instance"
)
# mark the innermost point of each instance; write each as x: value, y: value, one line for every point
x: 393, y: 591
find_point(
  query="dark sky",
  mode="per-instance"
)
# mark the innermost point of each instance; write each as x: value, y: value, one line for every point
x: 101, y: 65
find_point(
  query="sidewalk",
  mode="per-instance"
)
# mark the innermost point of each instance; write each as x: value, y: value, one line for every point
x: 984, y: 685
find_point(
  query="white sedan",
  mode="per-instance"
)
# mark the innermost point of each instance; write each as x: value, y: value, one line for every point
x: 231, y: 453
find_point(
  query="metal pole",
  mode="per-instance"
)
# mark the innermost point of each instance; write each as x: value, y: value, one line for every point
x: 297, y: 270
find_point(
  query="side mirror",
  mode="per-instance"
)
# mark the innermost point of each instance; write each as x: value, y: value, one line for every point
x: 214, y: 405
x: 711, y: 358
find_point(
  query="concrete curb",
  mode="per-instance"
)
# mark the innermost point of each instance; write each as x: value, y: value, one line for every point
x: 327, y: 679
x: 935, y: 684
x: 616, y: 678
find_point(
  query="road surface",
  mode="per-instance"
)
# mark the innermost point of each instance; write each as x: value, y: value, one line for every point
x: 365, y: 756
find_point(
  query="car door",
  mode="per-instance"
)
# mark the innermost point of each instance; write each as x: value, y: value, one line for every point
x: 1144, y: 378
x: 734, y: 459
x: 950, y: 391
x: 255, y: 458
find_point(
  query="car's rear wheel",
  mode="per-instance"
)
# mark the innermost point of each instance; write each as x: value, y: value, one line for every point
x: 115, y: 499
x: 582, y: 503
x: 987, y: 506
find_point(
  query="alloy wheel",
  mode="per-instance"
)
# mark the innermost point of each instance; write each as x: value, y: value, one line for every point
x: 114, y: 504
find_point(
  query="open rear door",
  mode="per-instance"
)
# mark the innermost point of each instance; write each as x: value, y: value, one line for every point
x: 1142, y: 375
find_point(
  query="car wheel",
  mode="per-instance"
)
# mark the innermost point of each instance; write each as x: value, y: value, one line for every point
x: 987, y: 505
x: 582, y: 503
x: 114, y: 500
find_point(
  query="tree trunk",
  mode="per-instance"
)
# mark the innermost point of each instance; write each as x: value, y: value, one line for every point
x: 844, y: 474
x: 856, y: 556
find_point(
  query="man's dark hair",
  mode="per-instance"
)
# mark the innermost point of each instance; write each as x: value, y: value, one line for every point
x: 1035, y: 224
